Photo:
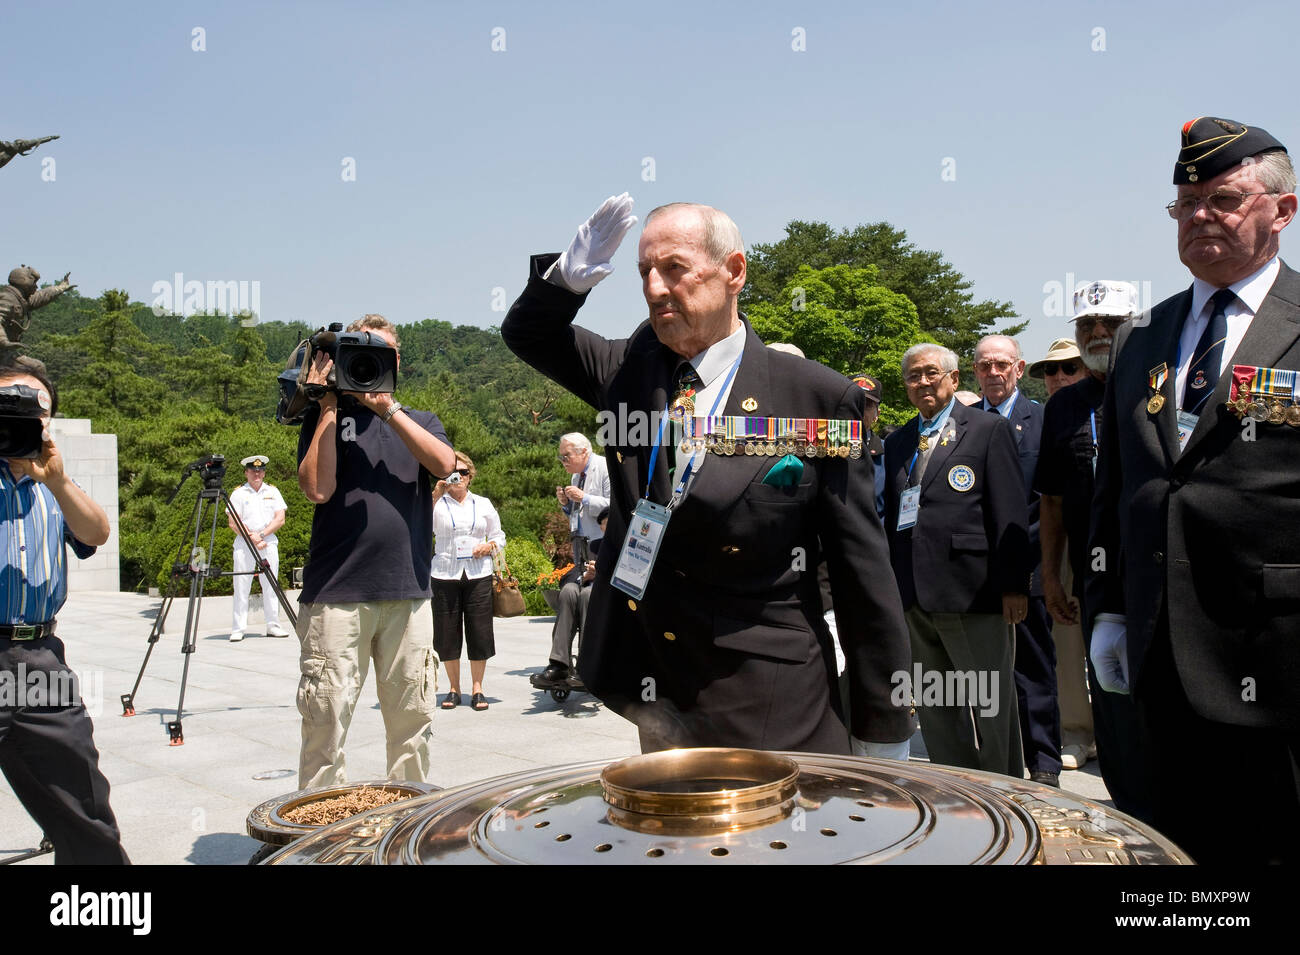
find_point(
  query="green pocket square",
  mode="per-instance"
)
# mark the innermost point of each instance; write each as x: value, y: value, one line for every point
x: 785, y: 473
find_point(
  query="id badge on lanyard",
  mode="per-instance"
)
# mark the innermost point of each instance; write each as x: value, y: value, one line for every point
x: 640, y: 548
x: 909, y: 505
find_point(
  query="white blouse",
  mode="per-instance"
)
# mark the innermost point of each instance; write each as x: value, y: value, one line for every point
x: 460, y: 528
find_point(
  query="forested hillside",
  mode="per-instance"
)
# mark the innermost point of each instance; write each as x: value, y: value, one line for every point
x: 175, y: 388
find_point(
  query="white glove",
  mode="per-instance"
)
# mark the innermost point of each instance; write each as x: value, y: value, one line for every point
x: 1110, y: 652
x: 586, y: 261
x: 898, y: 751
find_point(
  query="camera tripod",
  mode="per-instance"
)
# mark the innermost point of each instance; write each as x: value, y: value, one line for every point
x: 197, y: 568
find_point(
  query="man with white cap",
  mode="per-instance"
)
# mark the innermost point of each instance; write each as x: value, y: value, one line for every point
x: 1104, y: 726
x: 261, y: 507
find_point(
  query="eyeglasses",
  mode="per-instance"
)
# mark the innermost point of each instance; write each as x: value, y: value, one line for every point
x: 1065, y: 367
x: 990, y: 364
x: 1111, y: 322
x: 925, y: 376
x: 564, y: 456
x: 1220, y: 202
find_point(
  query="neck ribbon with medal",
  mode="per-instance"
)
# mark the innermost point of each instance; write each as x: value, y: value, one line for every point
x: 1156, y: 379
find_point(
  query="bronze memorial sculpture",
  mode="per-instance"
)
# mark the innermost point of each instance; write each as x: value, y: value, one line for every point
x: 20, y: 298
x: 20, y: 147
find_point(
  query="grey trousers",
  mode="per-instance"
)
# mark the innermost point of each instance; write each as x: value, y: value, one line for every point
x: 966, y: 698
x: 570, y: 615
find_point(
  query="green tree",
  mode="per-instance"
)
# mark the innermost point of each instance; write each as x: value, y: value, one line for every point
x: 945, y: 307
x: 842, y: 317
x: 113, y: 365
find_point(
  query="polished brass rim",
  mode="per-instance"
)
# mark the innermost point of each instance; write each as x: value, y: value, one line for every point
x: 267, y: 824
x: 686, y: 791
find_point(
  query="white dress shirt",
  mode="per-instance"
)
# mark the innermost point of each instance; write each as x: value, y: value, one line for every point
x: 713, y: 366
x: 475, y: 518
x: 256, y: 508
x: 1251, y: 292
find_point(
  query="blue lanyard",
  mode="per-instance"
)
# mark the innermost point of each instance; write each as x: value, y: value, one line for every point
x: 473, y: 513
x: 663, y: 421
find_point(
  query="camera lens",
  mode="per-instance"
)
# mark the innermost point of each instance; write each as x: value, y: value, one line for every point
x: 364, y: 370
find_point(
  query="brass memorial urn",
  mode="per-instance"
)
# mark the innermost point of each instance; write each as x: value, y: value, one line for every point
x: 726, y: 806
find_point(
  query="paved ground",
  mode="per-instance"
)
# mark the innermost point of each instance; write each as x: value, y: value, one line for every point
x: 188, y: 804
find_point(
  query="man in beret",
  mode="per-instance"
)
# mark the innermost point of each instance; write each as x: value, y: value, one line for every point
x: 261, y: 508
x: 1195, y: 603
x: 871, y: 390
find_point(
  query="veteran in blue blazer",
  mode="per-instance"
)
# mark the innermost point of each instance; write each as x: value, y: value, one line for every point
x: 957, y: 523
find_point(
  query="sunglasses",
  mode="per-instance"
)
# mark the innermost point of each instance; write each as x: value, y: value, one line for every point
x: 1051, y: 367
x: 463, y: 472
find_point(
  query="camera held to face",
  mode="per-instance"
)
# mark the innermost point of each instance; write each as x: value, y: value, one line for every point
x: 22, y: 424
x: 363, y: 361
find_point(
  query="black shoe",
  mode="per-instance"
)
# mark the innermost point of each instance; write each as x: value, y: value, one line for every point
x: 1045, y: 778
x: 553, y: 674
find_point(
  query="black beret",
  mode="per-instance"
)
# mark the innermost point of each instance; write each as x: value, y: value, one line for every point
x: 869, y: 385
x: 1212, y: 146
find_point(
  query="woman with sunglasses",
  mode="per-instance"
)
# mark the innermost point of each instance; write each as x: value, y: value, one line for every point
x: 467, y: 532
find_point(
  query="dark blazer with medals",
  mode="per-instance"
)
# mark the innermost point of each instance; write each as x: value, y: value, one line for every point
x: 1210, y: 533
x: 968, y: 547
x: 728, y: 646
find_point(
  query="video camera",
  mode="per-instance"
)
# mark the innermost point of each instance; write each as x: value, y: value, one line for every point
x: 362, y: 362
x: 21, y: 427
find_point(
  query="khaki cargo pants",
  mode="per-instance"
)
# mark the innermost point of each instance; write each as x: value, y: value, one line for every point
x: 338, y: 643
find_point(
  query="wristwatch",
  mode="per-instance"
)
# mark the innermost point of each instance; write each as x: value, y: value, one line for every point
x: 395, y: 407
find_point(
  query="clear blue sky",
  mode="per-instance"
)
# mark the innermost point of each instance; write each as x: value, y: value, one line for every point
x: 226, y: 164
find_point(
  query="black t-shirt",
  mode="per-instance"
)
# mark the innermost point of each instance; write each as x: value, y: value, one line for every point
x: 1065, y: 462
x: 373, y: 540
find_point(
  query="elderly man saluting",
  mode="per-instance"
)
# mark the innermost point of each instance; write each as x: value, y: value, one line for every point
x: 705, y: 623
x: 1196, y: 599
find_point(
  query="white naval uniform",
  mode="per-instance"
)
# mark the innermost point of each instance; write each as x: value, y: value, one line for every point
x: 255, y: 509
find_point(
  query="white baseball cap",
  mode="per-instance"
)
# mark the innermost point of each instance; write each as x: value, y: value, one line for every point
x: 1105, y: 298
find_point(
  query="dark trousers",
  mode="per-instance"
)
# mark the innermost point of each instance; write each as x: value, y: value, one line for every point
x: 1226, y: 794
x: 1036, y: 691
x: 1122, y: 749
x: 47, y: 753
x: 462, y: 610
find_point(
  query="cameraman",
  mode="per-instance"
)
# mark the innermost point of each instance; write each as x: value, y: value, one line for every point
x: 365, y: 462
x: 47, y: 752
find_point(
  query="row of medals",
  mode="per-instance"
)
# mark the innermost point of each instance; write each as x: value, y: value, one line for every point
x: 787, y: 445
x: 1276, y: 413
x: 684, y: 407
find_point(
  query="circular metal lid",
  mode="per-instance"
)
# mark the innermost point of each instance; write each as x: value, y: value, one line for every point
x: 719, y: 806
x: 266, y: 822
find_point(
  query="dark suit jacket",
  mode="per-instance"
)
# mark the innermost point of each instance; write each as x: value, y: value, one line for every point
x: 968, y: 548
x: 1210, y: 533
x: 728, y: 647
x: 1026, y: 421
